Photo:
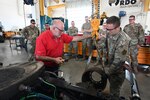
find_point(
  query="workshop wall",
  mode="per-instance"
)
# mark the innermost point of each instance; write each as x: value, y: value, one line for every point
x: 12, y: 14
x: 77, y: 10
x: 9, y: 15
x: 147, y: 26
x: 133, y: 7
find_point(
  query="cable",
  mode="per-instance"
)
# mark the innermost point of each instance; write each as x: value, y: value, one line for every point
x: 50, y: 85
x: 39, y: 95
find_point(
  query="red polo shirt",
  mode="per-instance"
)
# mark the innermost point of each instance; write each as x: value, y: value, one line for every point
x: 47, y: 45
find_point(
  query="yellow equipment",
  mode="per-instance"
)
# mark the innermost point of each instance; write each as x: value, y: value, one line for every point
x: 95, y: 21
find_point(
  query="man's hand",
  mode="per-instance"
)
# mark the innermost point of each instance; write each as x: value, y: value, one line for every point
x: 81, y: 32
x: 107, y: 71
x: 59, y: 60
x: 88, y: 35
x: 84, y: 31
x: 102, y: 36
x: 127, y: 66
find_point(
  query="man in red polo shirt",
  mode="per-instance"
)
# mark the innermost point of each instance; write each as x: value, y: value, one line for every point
x: 50, y: 44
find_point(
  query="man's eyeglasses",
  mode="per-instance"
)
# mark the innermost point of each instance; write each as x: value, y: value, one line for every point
x: 131, y: 19
x: 59, y: 29
x: 33, y: 23
x: 110, y: 29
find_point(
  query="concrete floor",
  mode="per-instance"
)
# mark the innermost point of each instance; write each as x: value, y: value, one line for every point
x: 72, y: 69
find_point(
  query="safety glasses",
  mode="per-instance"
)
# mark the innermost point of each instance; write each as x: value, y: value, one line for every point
x: 59, y: 29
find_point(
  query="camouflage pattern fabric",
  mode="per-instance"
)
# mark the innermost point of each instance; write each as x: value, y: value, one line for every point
x: 133, y: 55
x: 136, y: 34
x: 73, y: 31
x: 118, y: 53
x: 116, y: 81
x: 101, y: 46
x: 32, y: 32
x: 86, y: 43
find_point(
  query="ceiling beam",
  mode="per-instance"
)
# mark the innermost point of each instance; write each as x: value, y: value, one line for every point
x: 56, y: 6
x: 50, y: 8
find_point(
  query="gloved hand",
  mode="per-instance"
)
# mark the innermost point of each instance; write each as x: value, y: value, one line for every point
x: 111, y: 70
x: 127, y: 66
x: 107, y: 71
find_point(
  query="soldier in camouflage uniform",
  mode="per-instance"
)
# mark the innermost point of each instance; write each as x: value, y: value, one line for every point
x: 46, y: 27
x: 86, y: 29
x: 136, y: 33
x: 118, y: 45
x: 102, y: 32
x: 73, y: 31
x: 30, y: 33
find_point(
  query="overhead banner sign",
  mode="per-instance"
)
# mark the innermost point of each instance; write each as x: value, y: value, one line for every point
x: 125, y: 3
x: 129, y: 3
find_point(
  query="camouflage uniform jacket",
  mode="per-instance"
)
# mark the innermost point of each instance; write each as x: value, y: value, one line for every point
x: 118, y: 50
x: 31, y: 32
x: 73, y: 31
x: 136, y: 33
x: 86, y: 26
x: 101, y: 43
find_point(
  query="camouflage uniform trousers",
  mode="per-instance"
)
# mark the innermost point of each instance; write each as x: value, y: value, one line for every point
x: 116, y: 80
x: 101, y: 57
x: 32, y: 50
x: 133, y: 55
x: 86, y: 43
x: 73, y: 45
